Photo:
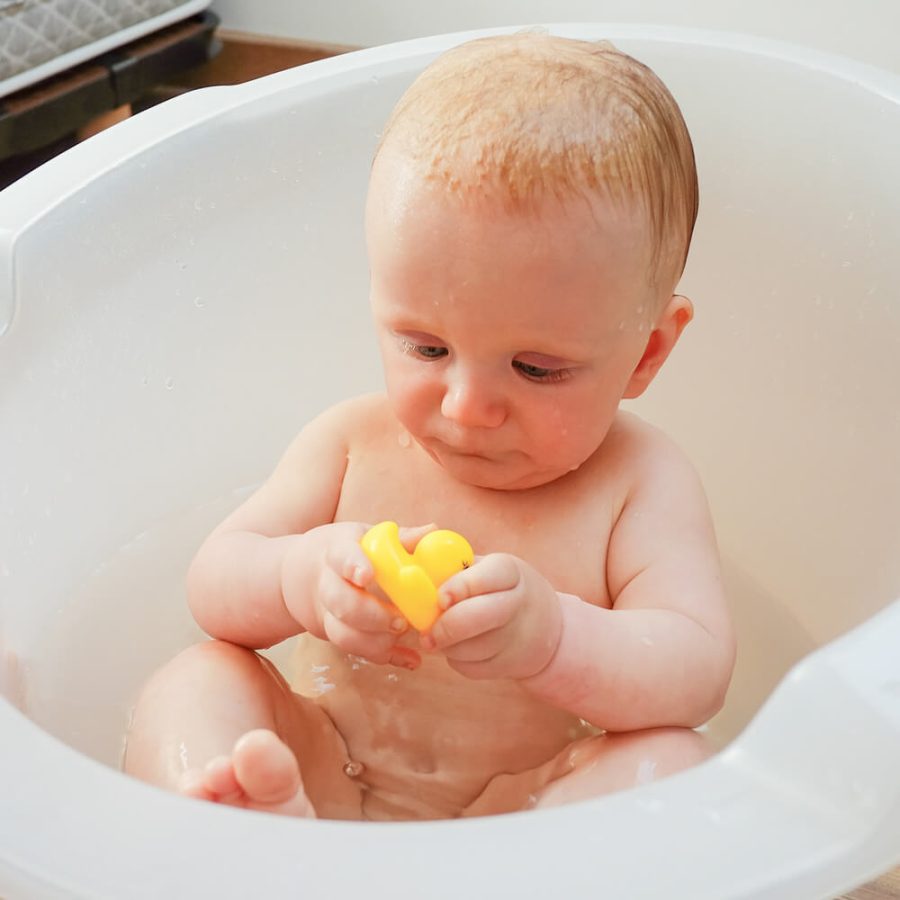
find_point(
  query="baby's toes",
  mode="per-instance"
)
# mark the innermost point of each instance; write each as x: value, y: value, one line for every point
x: 266, y: 769
x: 192, y: 783
x: 221, y: 780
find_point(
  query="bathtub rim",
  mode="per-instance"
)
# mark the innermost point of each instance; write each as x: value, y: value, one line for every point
x: 38, y: 192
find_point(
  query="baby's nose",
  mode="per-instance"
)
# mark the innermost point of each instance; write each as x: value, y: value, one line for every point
x: 473, y: 403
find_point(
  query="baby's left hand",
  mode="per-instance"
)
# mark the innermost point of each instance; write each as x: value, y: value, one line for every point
x: 502, y: 620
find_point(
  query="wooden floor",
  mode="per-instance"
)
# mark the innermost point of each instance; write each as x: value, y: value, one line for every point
x: 885, y: 888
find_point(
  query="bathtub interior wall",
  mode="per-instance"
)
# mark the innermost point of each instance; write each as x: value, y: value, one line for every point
x: 181, y: 314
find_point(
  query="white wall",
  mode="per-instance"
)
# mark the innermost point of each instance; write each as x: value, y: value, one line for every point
x: 865, y: 29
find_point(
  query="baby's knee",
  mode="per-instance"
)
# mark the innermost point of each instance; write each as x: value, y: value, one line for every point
x: 662, y: 751
x: 610, y: 762
x: 201, y: 668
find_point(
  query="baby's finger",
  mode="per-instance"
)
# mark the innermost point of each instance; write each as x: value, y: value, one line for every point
x: 359, y: 609
x: 477, y: 616
x: 489, y: 574
x: 351, y: 563
x: 411, y: 536
x: 478, y: 649
x: 375, y: 647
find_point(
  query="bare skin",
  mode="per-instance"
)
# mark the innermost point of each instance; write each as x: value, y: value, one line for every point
x: 595, y: 601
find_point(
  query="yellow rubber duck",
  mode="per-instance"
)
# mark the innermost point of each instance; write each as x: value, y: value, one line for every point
x: 411, y: 580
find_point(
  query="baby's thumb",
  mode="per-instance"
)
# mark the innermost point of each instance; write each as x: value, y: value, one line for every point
x: 410, y: 537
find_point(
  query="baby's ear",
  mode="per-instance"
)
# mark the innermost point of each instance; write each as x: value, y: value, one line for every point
x: 671, y: 322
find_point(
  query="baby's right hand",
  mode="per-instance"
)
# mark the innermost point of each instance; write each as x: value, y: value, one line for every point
x: 326, y: 587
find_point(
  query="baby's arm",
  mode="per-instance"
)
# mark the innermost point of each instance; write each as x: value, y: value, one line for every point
x: 664, y: 653
x: 277, y: 566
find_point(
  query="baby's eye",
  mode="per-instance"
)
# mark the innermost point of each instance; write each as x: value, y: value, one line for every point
x: 424, y: 351
x: 540, y: 373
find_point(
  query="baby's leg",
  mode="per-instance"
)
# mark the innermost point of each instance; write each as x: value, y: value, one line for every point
x: 595, y: 766
x: 220, y: 723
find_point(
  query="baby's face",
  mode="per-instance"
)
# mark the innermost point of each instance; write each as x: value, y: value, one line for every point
x: 508, y: 339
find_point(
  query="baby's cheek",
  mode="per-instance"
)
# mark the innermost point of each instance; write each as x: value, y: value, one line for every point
x: 412, y: 398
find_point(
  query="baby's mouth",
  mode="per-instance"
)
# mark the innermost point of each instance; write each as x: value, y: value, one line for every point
x: 463, y: 451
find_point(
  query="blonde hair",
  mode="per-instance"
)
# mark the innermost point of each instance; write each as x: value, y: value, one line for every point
x: 530, y: 115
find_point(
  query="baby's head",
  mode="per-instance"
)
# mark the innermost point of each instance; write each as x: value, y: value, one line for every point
x: 532, y: 199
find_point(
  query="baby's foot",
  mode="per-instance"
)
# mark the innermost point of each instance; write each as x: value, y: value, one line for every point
x: 262, y: 773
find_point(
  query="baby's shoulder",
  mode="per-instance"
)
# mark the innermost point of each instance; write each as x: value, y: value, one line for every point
x: 639, y: 451
x: 357, y: 419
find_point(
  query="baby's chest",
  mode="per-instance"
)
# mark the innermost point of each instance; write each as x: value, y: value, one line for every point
x: 563, y: 530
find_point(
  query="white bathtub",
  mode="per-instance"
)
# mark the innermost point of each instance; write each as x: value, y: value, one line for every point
x: 179, y: 294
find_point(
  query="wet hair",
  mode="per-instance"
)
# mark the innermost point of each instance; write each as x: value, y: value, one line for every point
x: 528, y: 116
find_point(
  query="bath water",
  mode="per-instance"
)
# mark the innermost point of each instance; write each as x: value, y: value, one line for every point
x: 130, y: 616
x: 127, y: 618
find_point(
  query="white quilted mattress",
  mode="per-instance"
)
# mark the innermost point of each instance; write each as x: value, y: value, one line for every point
x: 39, y: 38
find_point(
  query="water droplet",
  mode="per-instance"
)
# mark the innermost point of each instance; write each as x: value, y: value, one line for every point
x: 145, y: 381
x: 393, y: 677
x: 622, y: 325
x: 354, y: 769
x: 198, y: 302
x: 403, y: 439
x: 323, y: 685
x: 170, y: 384
x: 198, y: 205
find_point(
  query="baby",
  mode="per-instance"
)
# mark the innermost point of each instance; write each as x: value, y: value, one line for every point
x: 529, y: 214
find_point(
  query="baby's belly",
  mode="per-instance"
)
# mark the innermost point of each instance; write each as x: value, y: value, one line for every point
x: 428, y: 741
